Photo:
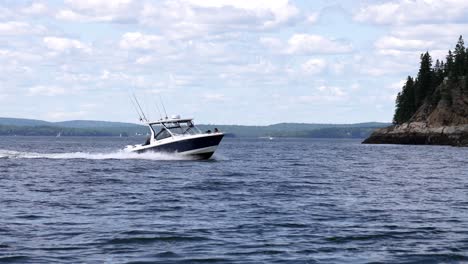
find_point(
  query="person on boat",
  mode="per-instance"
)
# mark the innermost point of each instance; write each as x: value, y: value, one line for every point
x: 216, y: 130
x: 208, y: 131
x: 148, y: 141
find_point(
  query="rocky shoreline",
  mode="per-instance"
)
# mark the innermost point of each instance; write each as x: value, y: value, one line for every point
x: 419, y: 133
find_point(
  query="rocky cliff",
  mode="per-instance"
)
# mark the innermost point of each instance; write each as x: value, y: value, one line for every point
x: 441, y: 120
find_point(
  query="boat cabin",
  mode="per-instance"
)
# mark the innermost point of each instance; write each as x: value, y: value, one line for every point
x: 172, y: 127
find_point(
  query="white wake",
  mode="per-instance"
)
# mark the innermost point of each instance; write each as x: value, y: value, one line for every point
x: 10, y: 154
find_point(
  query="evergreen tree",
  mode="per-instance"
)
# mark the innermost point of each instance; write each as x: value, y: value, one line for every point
x: 423, y: 88
x: 466, y: 70
x: 437, y: 65
x: 459, y: 54
x: 397, y: 117
x: 405, y: 107
x: 425, y: 85
x: 449, y: 64
x: 439, y: 74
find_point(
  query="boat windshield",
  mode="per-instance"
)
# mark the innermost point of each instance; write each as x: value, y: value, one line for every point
x: 177, y: 128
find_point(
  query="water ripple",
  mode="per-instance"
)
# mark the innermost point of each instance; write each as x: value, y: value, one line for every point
x: 78, y: 200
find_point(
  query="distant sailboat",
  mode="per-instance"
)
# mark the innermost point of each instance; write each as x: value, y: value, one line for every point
x: 59, y: 134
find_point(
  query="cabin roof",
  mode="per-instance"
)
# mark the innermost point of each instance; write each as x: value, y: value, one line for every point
x: 170, y: 120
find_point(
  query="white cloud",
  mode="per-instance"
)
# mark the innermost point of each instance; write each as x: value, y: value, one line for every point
x: 431, y: 31
x: 18, y: 55
x: 268, y: 12
x: 312, y: 18
x: 316, y: 44
x: 181, y: 19
x: 65, y: 115
x: 99, y: 5
x: 60, y: 44
x: 144, y: 60
x: 35, y: 9
x: 71, y: 15
x: 431, y: 36
x: 414, y: 11
x: 184, y: 18
x: 98, y: 11
x: 214, y: 97
x: 262, y: 67
x: 394, y: 43
x: 46, y: 90
x: 272, y: 43
x: 355, y: 87
x: 331, y: 90
x: 314, y: 66
x: 381, y: 66
x: 323, y: 94
x: 20, y: 28
x: 7, y: 13
x: 410, y: 41
x: 396, y: 86
x: 338, y: 66
x: 137, y: 40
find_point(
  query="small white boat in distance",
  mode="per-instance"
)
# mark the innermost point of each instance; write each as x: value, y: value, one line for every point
x: 181, y: 136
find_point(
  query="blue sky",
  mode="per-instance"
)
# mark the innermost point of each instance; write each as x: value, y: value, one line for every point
x: 226, y: 62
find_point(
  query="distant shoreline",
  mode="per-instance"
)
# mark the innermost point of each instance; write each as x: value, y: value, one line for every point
x: 31, y: 127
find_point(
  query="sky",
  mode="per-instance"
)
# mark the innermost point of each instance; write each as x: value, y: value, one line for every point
x: 249, y: 62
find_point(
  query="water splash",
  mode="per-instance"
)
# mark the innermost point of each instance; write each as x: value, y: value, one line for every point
x: 10, y: 154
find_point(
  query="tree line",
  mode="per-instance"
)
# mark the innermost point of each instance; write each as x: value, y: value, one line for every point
x: 422, y: 89
x: 8, y: 130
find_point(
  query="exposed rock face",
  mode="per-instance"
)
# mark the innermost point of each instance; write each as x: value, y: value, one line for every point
x: 418, y: 133
x: 444, y: 122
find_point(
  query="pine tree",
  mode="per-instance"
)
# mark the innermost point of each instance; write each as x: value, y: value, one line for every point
x: 405, y: 107
x: 397, y: 119
x: 459, y: 54
x: 423, y: 88
x: 425, y: 85
x: 438, y: 72
x: 466, y: 70
x: 449, y: 65
x: 437, y: 65
x: 410, y: 98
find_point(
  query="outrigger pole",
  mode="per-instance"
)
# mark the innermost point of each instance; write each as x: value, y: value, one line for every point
x: 139, y: 107
x: 136, y: 109
x: 157, y: 107
x: 160, y: 98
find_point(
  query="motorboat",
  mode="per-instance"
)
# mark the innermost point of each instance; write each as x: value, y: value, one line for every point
x: 180, y: 136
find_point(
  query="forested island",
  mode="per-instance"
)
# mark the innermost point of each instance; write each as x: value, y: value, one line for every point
x: 432, y: 108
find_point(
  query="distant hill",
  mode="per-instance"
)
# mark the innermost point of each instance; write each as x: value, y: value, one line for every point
x: 300, y: 130
x: 92, y: 123
x: 22, y: 122
x: 30, y: 127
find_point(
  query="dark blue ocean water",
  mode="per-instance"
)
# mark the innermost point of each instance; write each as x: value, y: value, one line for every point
x: 80, y: 200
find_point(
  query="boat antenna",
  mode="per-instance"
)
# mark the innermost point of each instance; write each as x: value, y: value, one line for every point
x: 160, y: 98
x: 136, y: 109
x: 157, y: 107
x: 139, y: 106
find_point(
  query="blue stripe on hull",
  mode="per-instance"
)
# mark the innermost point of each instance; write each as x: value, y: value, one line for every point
x: 187, y: 145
